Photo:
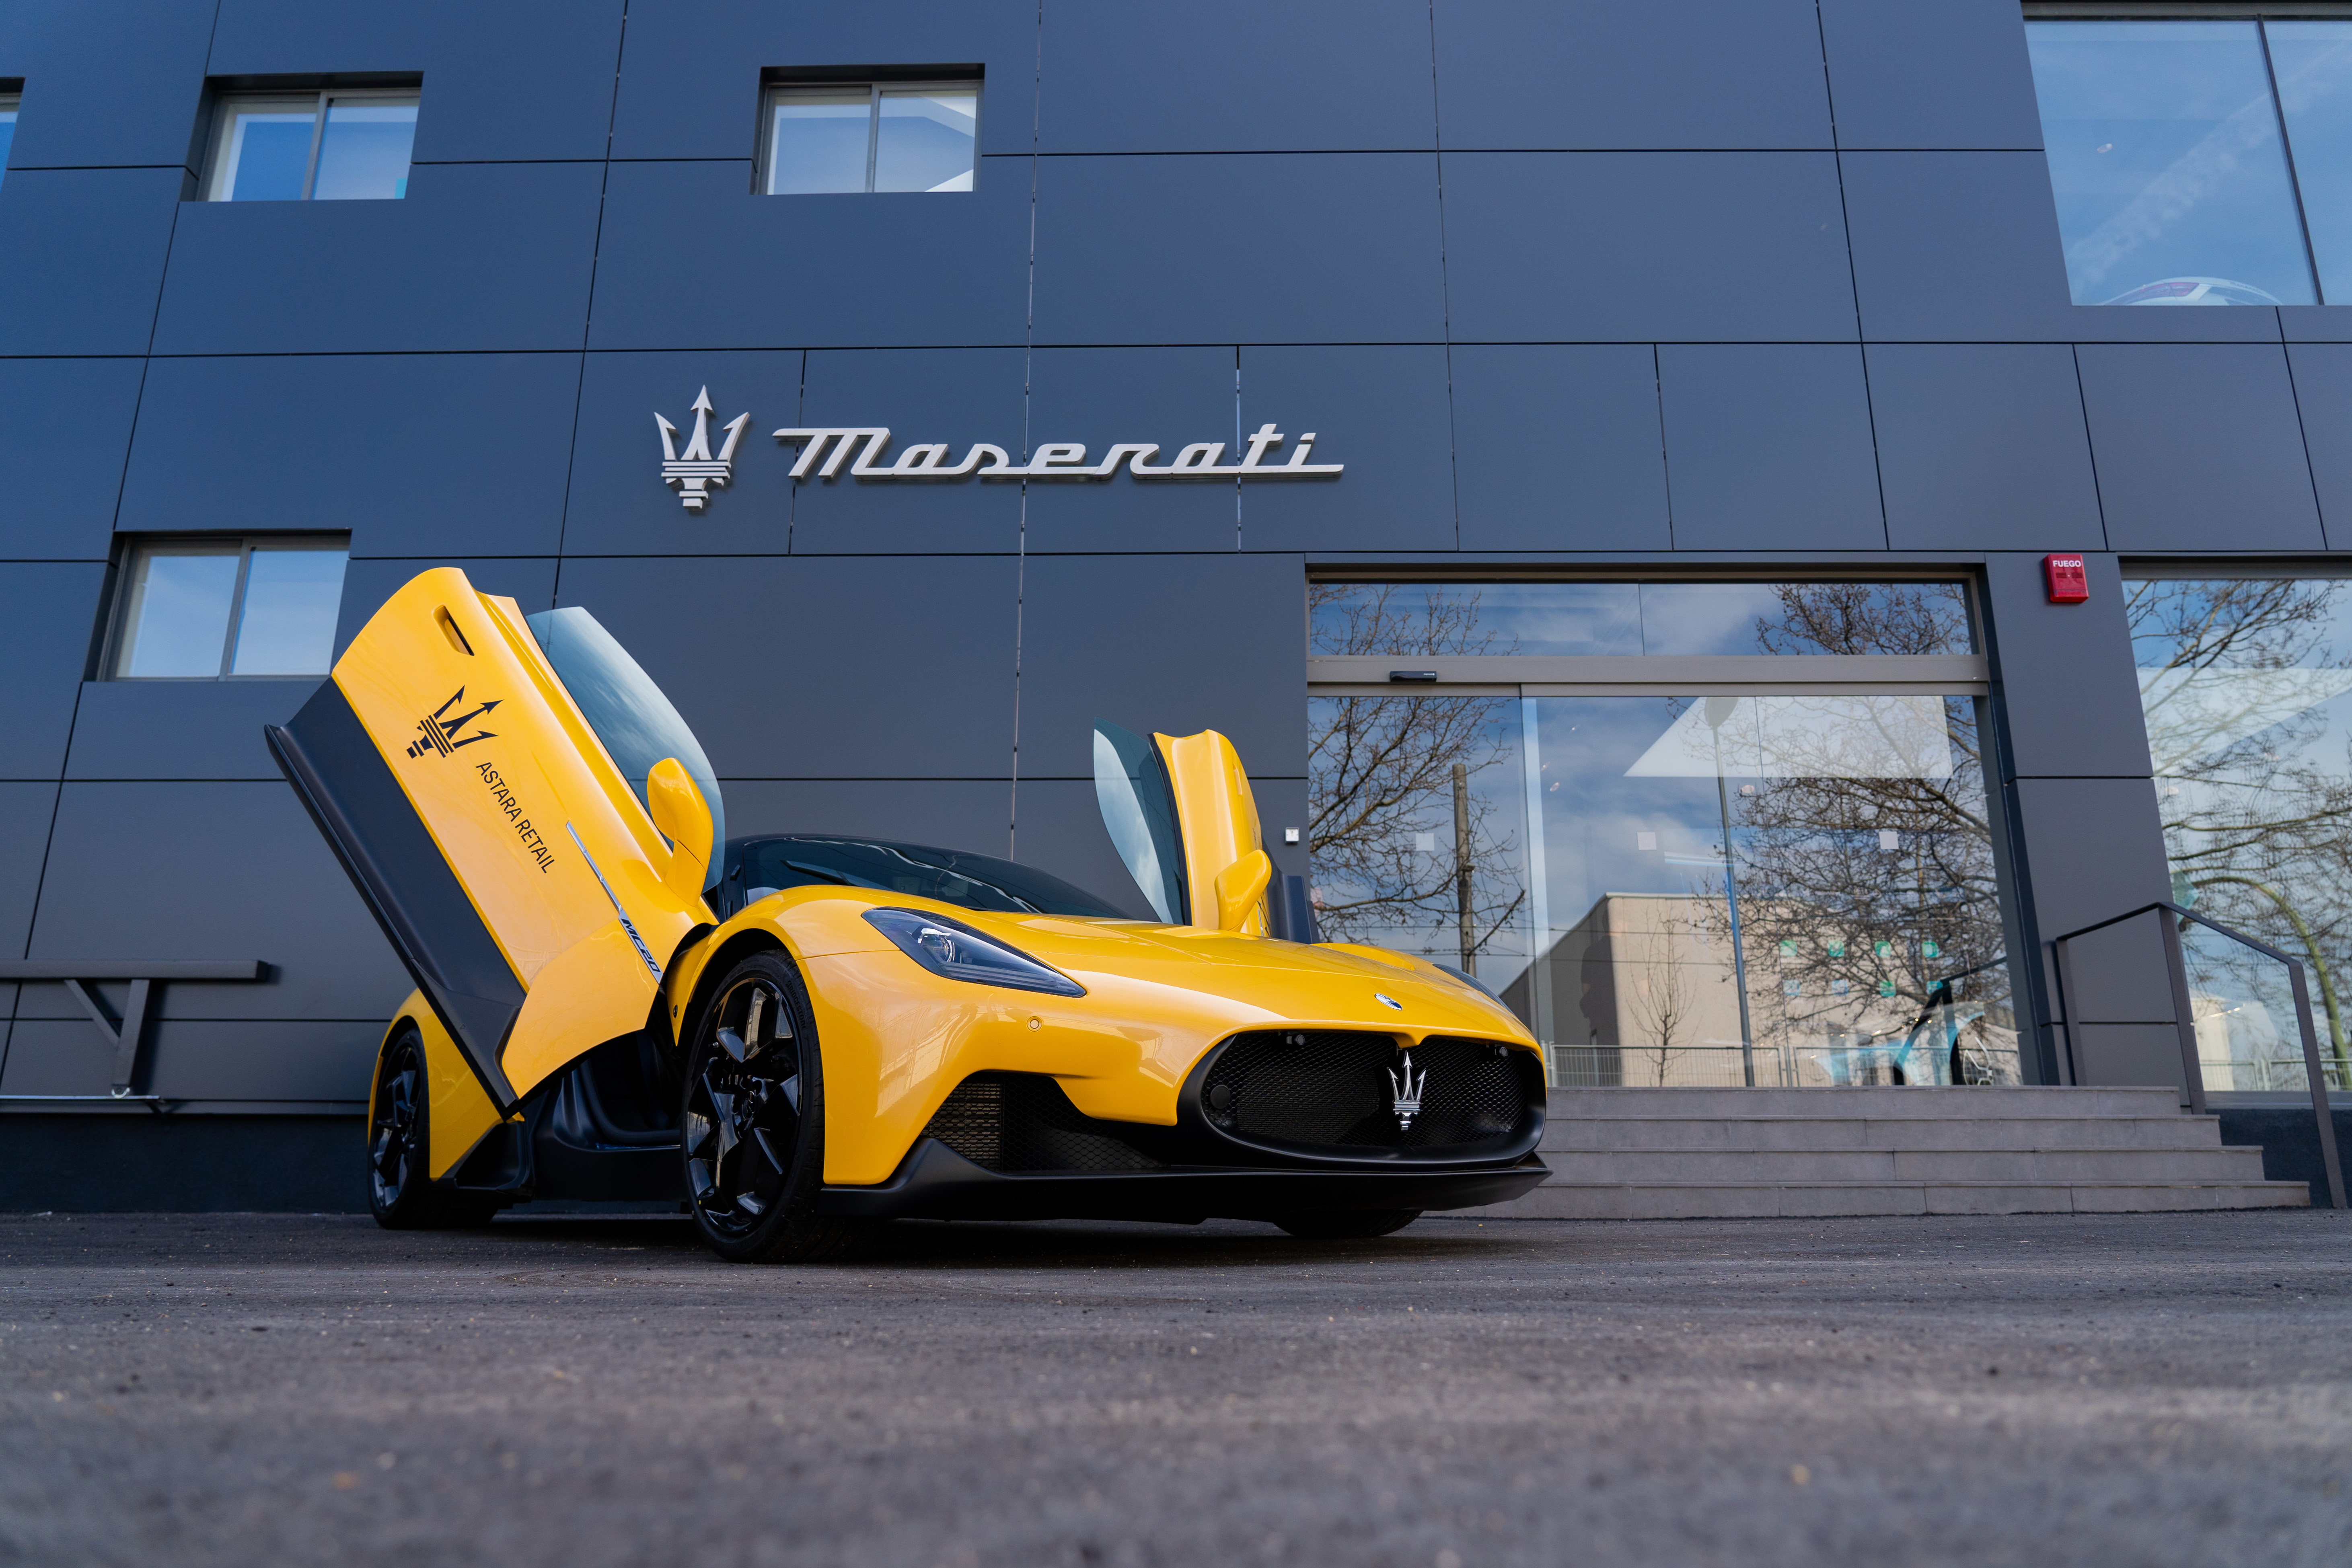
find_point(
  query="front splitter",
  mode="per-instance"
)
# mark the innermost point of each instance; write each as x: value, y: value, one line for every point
x: 937, y: 1182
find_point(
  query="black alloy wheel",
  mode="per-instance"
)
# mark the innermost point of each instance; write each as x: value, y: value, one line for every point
x: 1346, y: 1225
x: 400, y: 1190
x: 751, y: 1126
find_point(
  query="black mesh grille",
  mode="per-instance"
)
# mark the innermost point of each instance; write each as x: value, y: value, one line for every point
x: 1330, y: 1087
x: 1023, y: 1121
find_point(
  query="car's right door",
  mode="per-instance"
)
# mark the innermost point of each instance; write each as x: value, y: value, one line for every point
x: 1180, y: 810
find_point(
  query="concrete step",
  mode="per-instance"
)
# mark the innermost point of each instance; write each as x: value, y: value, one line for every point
x: 1872, y: 1103
x: 1686, y: 1166
x: 2170, y: 1130
x: 1688, y: 1154
x: 1620, y: 1200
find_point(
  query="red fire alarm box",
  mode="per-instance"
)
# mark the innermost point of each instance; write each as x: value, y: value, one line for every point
x: 2069, y: 583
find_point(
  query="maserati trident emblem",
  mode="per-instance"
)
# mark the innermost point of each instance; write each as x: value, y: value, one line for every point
x: 1405, y: 1093
x: 697, y: 470
x: 441, y: 734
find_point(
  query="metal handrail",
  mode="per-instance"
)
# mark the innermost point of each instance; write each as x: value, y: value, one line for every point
x: 2185, y: 1023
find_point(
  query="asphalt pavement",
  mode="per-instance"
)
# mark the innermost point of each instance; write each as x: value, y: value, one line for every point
x: 241, y: 1389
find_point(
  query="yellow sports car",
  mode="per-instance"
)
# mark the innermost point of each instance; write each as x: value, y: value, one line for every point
x: 798, y: 1036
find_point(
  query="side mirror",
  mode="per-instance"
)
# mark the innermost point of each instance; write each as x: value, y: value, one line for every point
x: 1240, y: 887
x: 680, y: 812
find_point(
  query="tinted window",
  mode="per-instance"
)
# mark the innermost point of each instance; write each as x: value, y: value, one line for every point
x: 204, y: 608
x: 951, y: 876
x: 2246, y: 687
x: 2312, y: 63
x: 865, y: 137
x: 312, y: 146
x: 622, y: 705
x: 1589, y: 618
x: 1139, y: 808
x: 2166, y: 159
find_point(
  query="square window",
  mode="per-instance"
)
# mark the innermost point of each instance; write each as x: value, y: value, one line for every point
x: 1788, y: 947
x: 1796, y: 988
x: 1837, y: 947
x: 1930, y: 950
x: 202, y: 609
x: 869, y: 136
x: 1838, y: 987
x: 1881, y: 950
x: 332, y: 145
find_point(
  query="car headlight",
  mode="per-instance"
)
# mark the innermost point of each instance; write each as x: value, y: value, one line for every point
x: 955, y: 951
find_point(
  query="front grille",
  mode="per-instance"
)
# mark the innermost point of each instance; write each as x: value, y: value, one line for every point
x: 1333, y: 1087
x: 1023, y: 1121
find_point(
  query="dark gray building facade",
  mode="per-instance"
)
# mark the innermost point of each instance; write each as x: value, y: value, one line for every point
x: 1684, y: 292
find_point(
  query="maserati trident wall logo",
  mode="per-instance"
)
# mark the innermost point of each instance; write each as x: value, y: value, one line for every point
x: 440, y: 732
x: 828, y: 451
x: 692, y: 473
x: 1405, y: 1094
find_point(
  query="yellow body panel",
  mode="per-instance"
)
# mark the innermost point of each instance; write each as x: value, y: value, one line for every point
x: 458, y: 1112
x: 1216, y: 817
x: 897, y: 1038
x: 528, y: 809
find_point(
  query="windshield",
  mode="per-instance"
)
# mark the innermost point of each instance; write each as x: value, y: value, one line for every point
x: 757, y: 866
x: 622, y: 704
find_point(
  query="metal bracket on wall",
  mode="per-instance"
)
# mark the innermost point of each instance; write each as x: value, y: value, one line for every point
x: 126, y: 1034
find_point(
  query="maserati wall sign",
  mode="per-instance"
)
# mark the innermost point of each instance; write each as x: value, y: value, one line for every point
x: 826, y: 452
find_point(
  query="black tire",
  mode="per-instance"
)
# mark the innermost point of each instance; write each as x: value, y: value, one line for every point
x: 401, y: 1192
x: 751, y: 1122
x: 1346, y: 1225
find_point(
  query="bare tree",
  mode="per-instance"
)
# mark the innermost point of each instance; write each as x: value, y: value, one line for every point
x: 1656, y: 996
x: 1381, y: 774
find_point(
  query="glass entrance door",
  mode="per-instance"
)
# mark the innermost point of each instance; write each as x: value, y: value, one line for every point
x: 1783, y: 883
x: 1774, y: 889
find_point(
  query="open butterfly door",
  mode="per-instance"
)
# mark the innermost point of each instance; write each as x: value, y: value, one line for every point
x: 1178, y: 809
x: 492, y: 786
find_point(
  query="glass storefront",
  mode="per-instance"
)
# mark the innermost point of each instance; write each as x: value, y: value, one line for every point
x: 1785, y: 878
x: 2246, y: 685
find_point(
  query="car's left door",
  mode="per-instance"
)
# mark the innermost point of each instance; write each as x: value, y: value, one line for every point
x: 494, y: 788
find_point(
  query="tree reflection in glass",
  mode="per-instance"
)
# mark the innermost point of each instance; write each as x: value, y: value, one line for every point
x: 2246, y: 687
x: 1389, y: 865
x: 1769, y: 888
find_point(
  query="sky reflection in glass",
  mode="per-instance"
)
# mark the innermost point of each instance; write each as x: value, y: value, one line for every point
x: 2166, y: 164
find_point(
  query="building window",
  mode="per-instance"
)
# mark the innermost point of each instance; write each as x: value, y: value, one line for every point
x: 330, y: 146
x: 9, y: 98
x: 2199, y: 163
x: 2246, y: 687
x: 203, y: 609
x: 871, y: 136
x: 1700, y: 833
